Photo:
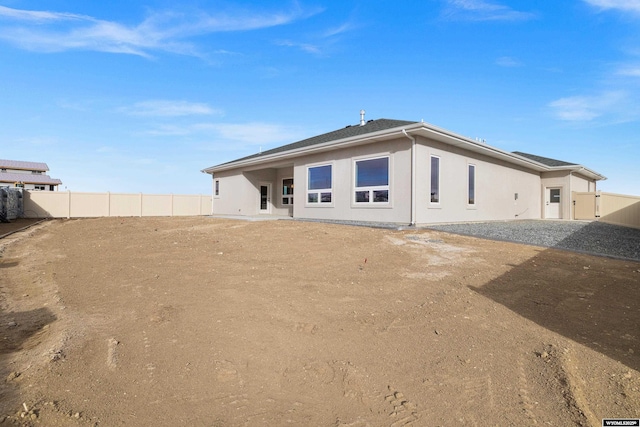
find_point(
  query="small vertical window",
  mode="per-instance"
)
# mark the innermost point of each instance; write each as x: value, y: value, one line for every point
x: 472, y: 185
x: 287, y: 191
x: 216, y: 190
x: 435, y: 179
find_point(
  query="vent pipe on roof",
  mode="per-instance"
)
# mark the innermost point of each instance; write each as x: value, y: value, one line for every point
x: 362, y: 122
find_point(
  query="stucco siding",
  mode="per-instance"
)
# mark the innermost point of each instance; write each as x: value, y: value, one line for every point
x: 233, y: 199
x: 343, y: 206
x: 581, y: 184
x: 496, y: 186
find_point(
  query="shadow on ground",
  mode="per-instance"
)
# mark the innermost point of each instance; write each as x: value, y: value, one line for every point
x: 18, y: 331
x: 597, y: 306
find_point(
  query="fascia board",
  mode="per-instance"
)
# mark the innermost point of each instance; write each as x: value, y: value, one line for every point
x: 463, y: 142
x: 317, y: 148
x: 581, y: 170
x: 423, y: 129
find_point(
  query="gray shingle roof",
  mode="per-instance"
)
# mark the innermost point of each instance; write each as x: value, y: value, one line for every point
x: 544, y: 160
x: 17, y: 164
x: 346, y: 132
x: 28, y: 178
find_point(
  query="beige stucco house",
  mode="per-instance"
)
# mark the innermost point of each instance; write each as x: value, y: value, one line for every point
x: 396, y: 171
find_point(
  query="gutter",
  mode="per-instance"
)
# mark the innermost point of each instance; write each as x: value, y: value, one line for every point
x: 424, y: 129
x: 413, y: 177
x: 296, y: 152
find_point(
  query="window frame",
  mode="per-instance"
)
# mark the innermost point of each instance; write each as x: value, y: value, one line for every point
x: 319, y: 192
x: 472, y: 189
x: 371, y: 203
x: 439, y: 194
x: 283, y: 196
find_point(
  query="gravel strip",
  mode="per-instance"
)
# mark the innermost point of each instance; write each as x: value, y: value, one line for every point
x: 595, y: 238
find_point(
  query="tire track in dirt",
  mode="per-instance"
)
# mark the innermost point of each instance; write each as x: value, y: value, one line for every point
x: 524, y: 393
x: 112, y: 355
x: 573, y: 392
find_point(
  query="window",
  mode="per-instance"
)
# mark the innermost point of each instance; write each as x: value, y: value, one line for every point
x: 287, y: 191
x: 216, y: 189
x: 39, y: 187
x: 372, y: 180
x: 435, y: 179
x: 472, y: 185
x: 319, y: 184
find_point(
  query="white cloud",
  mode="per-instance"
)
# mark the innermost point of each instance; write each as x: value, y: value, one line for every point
x: 625, y: 5
x: 321, y: 41
x: 46, y: 31
x: 508, y: 61
x: 331, y: 32
x: 255, y: 132
x: 629, y: 71
x: 40, y: 16
x: 306, y: 47
x: 170, y: 130
x: 165, y: 108
x: 252, y: 133
x: 587, y: 108
x: 480, y: 10
x: 39, y: 141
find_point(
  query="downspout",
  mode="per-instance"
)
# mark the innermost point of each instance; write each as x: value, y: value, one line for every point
x: 213, y: 190
x: 413, y: 178
x: 572, y: 211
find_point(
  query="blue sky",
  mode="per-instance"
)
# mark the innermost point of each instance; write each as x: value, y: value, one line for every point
x: 139, y: 96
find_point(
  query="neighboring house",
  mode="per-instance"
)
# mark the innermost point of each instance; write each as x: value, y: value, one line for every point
x: 397, y: 172
x: 28, y: 175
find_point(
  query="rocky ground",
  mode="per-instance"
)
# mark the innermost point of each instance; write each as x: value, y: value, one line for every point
x: 212, y: 322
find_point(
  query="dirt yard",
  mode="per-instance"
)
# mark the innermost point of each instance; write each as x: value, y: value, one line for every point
x: 211, y: 322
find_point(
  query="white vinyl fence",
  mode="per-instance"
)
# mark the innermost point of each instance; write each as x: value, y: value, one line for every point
x: 67, y: 204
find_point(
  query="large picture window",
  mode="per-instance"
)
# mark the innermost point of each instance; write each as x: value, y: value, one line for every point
x: 319, y: 184
x: 472, y: 185
x: 435, y: 179
x: 372, y: 180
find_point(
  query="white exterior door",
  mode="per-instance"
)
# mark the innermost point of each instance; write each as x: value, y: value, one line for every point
x: 553, y: 202
x: 265, y: 198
